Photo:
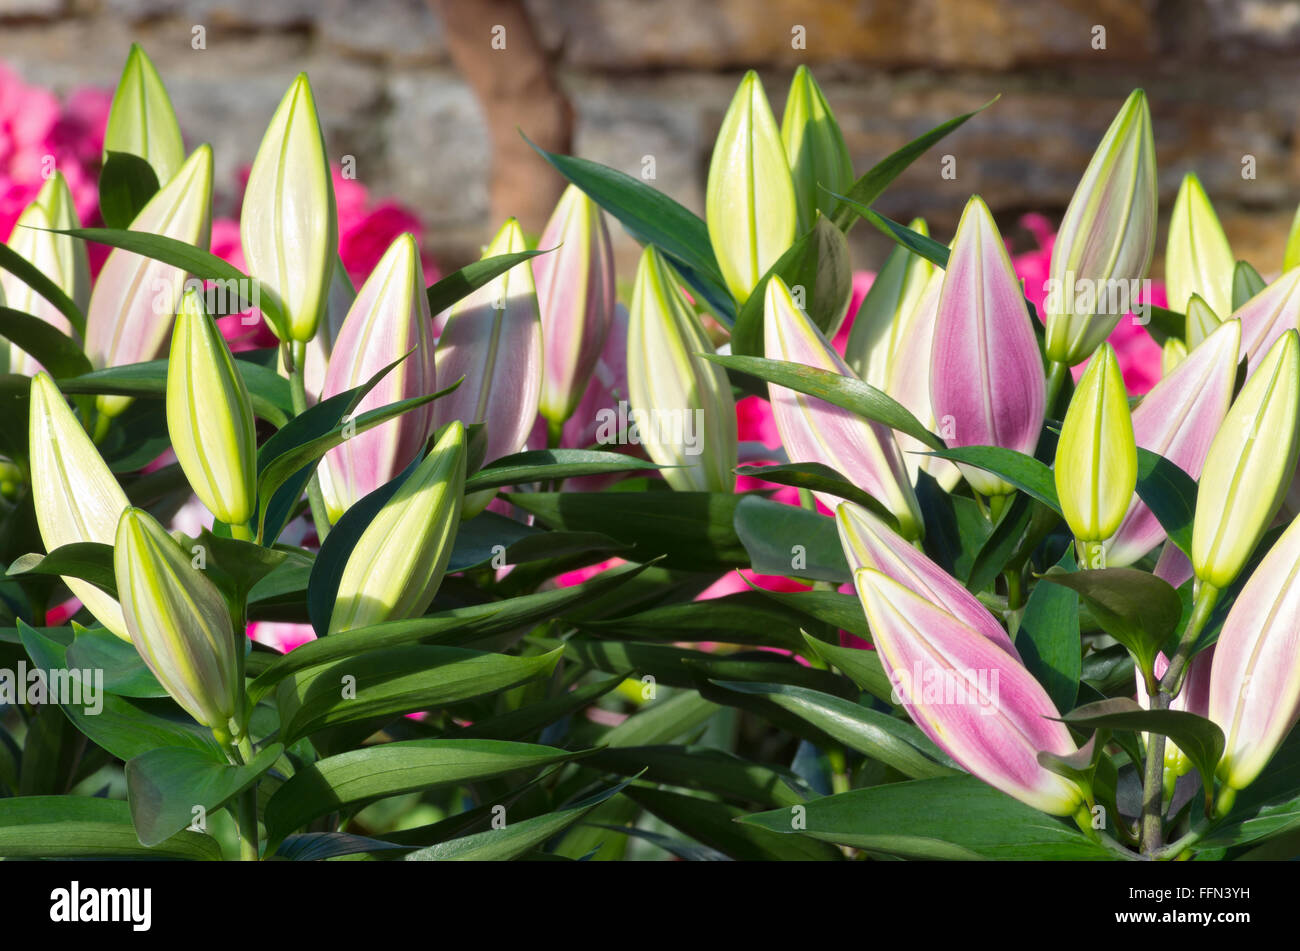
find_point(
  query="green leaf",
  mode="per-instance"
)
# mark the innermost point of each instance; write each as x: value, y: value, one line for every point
x: 360, y: 776
x: 546, y: 464
x: 870, y: 186
x: 862, y: 667
x: 125, y: 673
x: 392, y: 681
x: 87, y: 828
x: 651, y: 217
x: 1170, y: 494
x: 843, y: 391
x: 919, y: 244
x: 462, y: 283
x: 1164, y: 324
x: 163, y: 786
x: 1048, y: 637
x: 788, y: 540
x: 514, y: 838
x: 1026, y: 473
x: 1138, y: 609
x: 1268, y: 807
x: 126, y: 183
x: 89, y: 561
x: 532, y: 717
x: 818, y: 262
x: 52, y: 348
x: 31, y: 275
x: 957, y: 817
x: 999, y: 545
x: 693, y: 530
x: 817, y: 477
x: 748, y: 618
x: 318, y: 846
x: 892, y: 741
x: 662, y: 721
x: 705, y: 769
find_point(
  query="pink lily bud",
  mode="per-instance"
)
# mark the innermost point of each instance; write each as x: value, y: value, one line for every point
x: 388, y: 319
x: 869, y: 543
x: 1268, y: 315
x: 1255, y: 676
x: 575, y: 294
x: 812, y: 430
x: 493, y: 339
x: 985, y: 372
x: 1177, y: 419
x: 973, y: 699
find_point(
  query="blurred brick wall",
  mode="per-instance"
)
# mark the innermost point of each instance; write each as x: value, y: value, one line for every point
x: 653, y: 78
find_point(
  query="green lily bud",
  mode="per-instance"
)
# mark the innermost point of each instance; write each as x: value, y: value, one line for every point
x: 210, y: 416
x: 1096, y: 456
x: 1198, y: 259
x: 878, y: 329
x: 749, y: 202
x: 1172, y: 353
x: 1106, y: 239
x: 1249, y: 466
x: 289, y: 222
x: 141, y: 120
x: 680, y: 403
x: 398, y: 562
x: 178, y: 619
x: 1201, y: 321
x: 814, y: 148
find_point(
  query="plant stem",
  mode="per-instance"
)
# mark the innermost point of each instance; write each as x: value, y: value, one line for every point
x: 1015, y: 595
x: 1055, y: 380
x: 1206, y: 597
x: 241, y: 531
x: 298, y: 394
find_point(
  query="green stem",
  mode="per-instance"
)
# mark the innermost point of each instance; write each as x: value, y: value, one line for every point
x: 1056, y: 375
x: 241, y: 531
x: 1015, y: 594
x: 298, y: 395
x: 1207, y: 596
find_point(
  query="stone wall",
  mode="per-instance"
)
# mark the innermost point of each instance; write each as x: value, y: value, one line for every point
x: 653, y: 78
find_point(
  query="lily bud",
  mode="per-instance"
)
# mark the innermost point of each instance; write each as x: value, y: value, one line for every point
x: 812, y: 430
x: 389, y: 318
x: 1198, y: 259
x: 1255, y: 675
x: 1249, y: 466
x: 493, y: 338
x: 141, y: 120
x: 210, y: 416
x: 398, y: 562
x: 178, y: 619
x: 135, y: 298
x: 1178, y: 419
x: 687, y: 415
x: 985, y: 370
x: 1108, y: 234
x: 289, y: 223
x: 877, y: 332
x: 1268, y: 315
x: 1201, y: 321
x: 870, y: 543
x: 75, y: 496
x: 1172, y: 353
x: 575, y: 294
x: 59, y: 257
x: 749, y: 200
x: 991, y: 715
x: 1096, y: 456
x: 814, y: 149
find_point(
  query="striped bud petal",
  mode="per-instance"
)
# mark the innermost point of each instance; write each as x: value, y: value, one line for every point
x: 398, y: 562
x: 59, y: 257
x: 1178, y: 419
x: 388, y: 319
x: 1108, y: 235
x: 985, y: 370
x: 877, y: 332
x: 812, y: 430
x: 1201, y: 321
x: 870, y: 543
x: 1255, y: 676
x: 1096, y: 456
x: 1249, y: 466
x: 136, y: 298
x: 493, y: 339
x: 814, y: 149
x: 75, y: 496
x: 1198, y: 259
x: 141, y: 120
x: 1268, y: 315
x: 686, y: 415
x: 178, y: 620
x: 289, y: 224
x: 575, y: 294
x: 749, y: 201
x: 976, y: 701
x: 210, y: 416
